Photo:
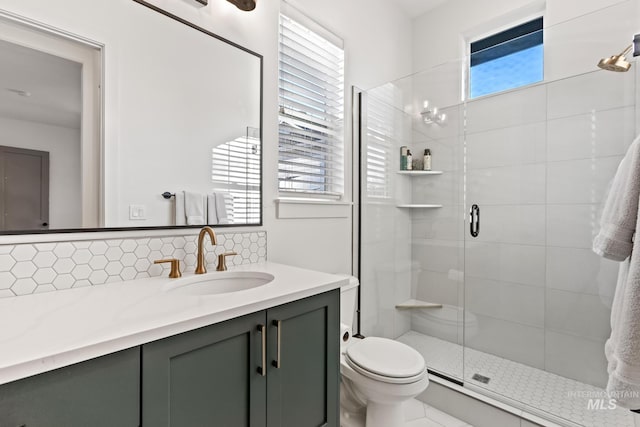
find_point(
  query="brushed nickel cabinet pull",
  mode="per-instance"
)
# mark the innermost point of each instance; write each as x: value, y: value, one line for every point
x: 262, y: 370
x: 278, y: 325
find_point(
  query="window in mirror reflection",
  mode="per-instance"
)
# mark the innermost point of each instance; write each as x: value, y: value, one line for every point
x: 235, y: 173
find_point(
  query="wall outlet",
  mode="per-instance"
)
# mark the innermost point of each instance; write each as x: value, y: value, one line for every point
x: 137, y: 212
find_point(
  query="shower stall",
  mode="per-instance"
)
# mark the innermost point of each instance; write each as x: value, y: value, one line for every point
x: 510, y: 301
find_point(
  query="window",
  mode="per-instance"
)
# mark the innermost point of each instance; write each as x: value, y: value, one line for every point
x: 507, y: 60
x: 384, y: 135
x: 235, y: 172
x: 311, y: 83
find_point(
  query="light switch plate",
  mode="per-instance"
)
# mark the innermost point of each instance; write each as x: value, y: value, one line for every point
x: 137, y: 212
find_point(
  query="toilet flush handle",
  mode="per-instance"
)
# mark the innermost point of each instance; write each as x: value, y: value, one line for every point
x: 278, y: 325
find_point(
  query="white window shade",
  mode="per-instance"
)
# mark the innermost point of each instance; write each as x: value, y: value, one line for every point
x: 311, y: 83
x: 235, y: 171
x: 383, y: 136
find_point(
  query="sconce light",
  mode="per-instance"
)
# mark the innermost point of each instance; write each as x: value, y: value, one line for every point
x: 246, y: 5
x: 430, y: 115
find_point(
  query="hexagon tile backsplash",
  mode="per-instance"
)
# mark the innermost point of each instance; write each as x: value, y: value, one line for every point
x: 42, y: 267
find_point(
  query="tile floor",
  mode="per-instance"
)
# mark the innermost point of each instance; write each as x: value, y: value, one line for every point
x: 418, y: 414
x: 530, y: 387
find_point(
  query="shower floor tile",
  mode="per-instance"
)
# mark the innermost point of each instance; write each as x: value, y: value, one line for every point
x: 532, y: 388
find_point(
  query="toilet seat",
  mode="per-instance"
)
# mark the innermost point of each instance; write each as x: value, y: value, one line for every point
x: 386, y: 360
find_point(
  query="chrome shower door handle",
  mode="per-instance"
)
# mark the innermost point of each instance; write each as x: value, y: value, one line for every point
x: 474, y: 221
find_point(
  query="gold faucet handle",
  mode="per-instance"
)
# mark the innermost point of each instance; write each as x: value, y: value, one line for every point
x: 175, y: 267
x: 222, y: 261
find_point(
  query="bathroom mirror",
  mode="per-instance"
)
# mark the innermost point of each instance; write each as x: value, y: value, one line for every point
x: 176, y: 144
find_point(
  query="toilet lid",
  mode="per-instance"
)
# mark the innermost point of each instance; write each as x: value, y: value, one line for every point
x: 386, y: 358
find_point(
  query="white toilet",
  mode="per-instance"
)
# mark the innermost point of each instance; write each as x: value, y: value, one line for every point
x: 377, y: 374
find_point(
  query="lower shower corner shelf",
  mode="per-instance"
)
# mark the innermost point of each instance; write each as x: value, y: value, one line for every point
x: 418, y: 206
x: 413, y: 304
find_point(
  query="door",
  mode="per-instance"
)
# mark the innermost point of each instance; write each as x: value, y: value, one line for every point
x: 206, y: 377
x: 24, y: 189
x: 102, y: 392
x: 304, y: 362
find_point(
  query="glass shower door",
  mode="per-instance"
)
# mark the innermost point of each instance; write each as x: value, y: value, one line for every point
x: 538, y: 162
x: 505, y: 256
x: 412, y: 246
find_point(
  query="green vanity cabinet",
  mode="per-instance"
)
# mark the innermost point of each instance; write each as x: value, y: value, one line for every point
x: 101, y: 392
x: 274, y: 368
x: 213, y: 376
x: 206, y: 377
x: 304, y: 352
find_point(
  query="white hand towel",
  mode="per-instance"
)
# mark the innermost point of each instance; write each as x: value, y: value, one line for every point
x: 618, y: 222
x: 195, y: 208
x: 211, y: 209
x: 221, y: 208
x: 615, y: 240
x: 181, y: 219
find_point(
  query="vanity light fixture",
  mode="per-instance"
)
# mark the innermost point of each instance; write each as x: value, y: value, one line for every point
x: 431, y: 115
x: 246, y: 5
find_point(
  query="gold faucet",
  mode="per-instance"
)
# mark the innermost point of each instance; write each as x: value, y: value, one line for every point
x: 222, y: 260
x: 201, y: 268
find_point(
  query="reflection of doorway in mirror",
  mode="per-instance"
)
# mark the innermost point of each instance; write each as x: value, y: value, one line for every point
x: 50, y: 102
x: 24, y: 189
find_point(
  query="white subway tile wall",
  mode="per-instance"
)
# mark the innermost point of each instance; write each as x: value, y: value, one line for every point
x: 538, y: 161
x: 43, y: 267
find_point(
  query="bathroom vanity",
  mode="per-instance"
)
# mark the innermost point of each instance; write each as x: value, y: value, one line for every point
x: 144, y: 353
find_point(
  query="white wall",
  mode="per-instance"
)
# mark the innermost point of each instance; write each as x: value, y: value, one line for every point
x: 63, y: 145
x: 378, y: 45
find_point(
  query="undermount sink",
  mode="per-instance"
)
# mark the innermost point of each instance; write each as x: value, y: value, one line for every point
x: 220, y: 282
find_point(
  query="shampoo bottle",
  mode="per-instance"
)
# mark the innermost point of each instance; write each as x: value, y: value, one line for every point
x: 403, y: 158
x: 426, y: 161
x: 409, y: 160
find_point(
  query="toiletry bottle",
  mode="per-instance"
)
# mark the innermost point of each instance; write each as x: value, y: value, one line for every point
x: 403, y: 158
x: 426, y: 161
x: 409, y: 160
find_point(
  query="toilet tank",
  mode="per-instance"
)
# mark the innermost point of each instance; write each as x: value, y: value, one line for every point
x: 348, y: 301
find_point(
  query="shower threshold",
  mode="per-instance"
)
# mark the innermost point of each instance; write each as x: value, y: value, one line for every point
x: 533, y: 390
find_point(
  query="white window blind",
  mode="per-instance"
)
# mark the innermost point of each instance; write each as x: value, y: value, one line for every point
x: 384, y: 130
x: 311, y: 83
x: 235, y: 171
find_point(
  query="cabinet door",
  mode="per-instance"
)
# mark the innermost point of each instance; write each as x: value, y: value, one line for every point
x: 303, y: 376
x: 206, y: 377
x: 102, y: 392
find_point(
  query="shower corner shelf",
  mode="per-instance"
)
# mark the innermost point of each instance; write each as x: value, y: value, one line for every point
x: 414, y: 304
x: 418, y: 206
x: 419, y: 172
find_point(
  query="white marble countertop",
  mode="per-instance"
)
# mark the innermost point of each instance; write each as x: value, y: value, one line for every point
x: 46, y: 331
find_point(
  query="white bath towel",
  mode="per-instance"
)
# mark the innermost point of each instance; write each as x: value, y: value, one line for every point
x: 620, y: 220
x: 211, y: 209
x: 181, y: 219
x: 195, y: 208
x: 221, y: 207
